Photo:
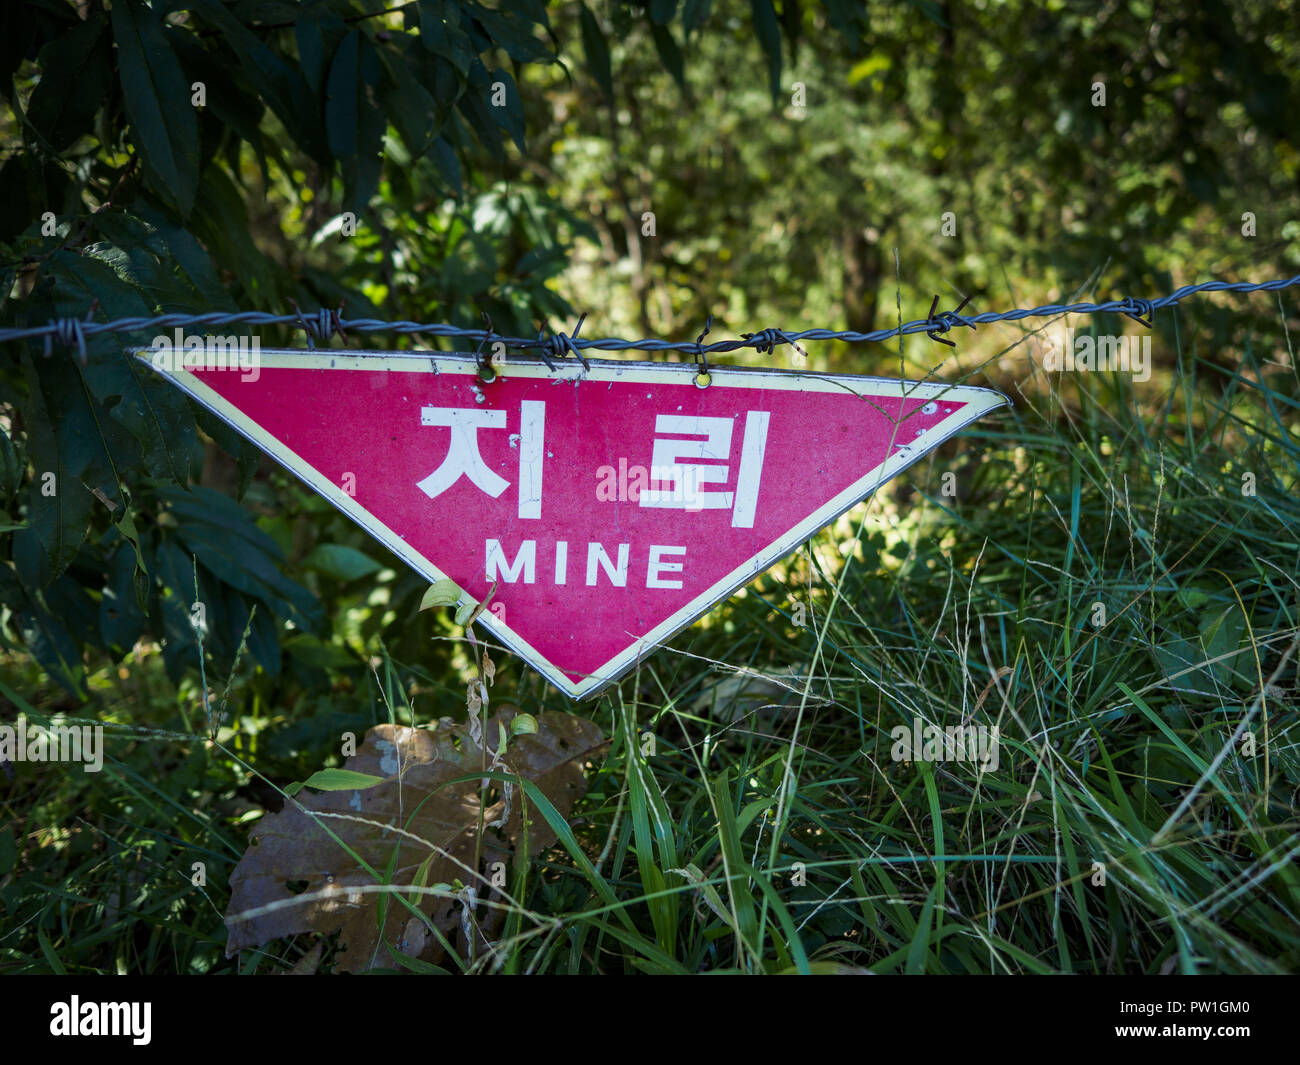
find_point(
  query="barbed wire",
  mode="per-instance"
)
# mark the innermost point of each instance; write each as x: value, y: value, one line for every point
x: 323, y: 324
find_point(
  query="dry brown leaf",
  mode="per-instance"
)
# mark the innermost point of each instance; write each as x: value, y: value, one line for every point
x: 308, y: 963
x: 437, y: 844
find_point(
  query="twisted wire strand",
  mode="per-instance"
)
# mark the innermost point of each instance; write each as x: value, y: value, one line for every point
x: 322, y: 324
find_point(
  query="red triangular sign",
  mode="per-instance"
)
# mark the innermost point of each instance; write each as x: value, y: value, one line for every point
x: 612, y: 506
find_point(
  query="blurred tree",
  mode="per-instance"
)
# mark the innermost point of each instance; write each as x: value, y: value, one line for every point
x: 991, y: 144
x: 190, y: 156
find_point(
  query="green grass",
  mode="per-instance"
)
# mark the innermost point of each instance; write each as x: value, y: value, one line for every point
x: 771, y: 830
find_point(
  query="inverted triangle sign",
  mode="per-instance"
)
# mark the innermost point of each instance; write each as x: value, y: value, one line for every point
x: 610, y: 506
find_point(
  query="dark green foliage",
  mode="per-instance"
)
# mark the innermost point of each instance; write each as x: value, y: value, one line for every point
x: 135, y: 129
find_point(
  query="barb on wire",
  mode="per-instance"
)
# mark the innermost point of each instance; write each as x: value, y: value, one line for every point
x: 765, y: 340
x: 701, y: 362
x: 484, y: 368
x: 322, y: 325
x: 555, y: 345
x: 1141, y: 311
x: 943, y: 322
x: 69, y: 331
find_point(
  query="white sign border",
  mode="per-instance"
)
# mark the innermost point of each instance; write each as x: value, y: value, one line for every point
x: 976, y: 403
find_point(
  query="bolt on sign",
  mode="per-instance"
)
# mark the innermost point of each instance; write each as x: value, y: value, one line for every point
x: 610, y: 507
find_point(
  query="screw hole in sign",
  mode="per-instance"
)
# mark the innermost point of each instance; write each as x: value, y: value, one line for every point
x: 703, y: 379
x: 486, y: 374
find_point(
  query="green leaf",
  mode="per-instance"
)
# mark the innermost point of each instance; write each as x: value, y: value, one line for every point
x: 342, y: 107
x: 251, y: 572
x: 48, y: 629
x: 137, y: 255
x: 919, y: 948
x: 227, y: 100
x: 234, y: 550
x: 200, y: 504
x: 51, y: 955
x: 341, y: 780
x: 64, y: 447
x: 285, y: 90
x: 354, y: 124
x: 175, y: 571
x: 318, y: 38
x: 29, y: 185
x: 523, y: 725
x: 445, y: 592
x: 464, y: 612
x: 76, y: 74
x: 417, y: 965
x: 692, y: 875
x: 11, y: 470
x: 158, y: 104
x: 220, y: 221
x: 340, y: 562
x: 768, y: 31
x: 141, y: 419
x: 411, y: 108
x: 514, y: 33
x: 482, y: 118
x: 121, y: 620
x: 193, y: 260
x: 511, y: 116
x: 23, y: 28
x: 1222, y: 638
x: 669, y: 54
x: 124, y: 523
x: 444, y: 156
x: 442, y: 34
x: 1197, y: 762
x: 263, y: 640
x: 662, y: 11
x: 694, y: 12
x: 596, y: 49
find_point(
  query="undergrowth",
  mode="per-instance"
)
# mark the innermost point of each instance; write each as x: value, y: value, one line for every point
x: 1112, y: 585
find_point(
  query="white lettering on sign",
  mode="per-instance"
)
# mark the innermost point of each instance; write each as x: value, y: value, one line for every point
x: 523, y: 567
x: 666, y: 463
x: 464, y: 459
x: 657, y: 567
x: 498, y: 568
x: 687, y: 464
x: 617, y: 573
x: 532, y: 426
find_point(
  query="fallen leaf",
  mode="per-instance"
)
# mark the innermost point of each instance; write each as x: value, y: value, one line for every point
x: 415, y: 824
x: 308, y: 963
